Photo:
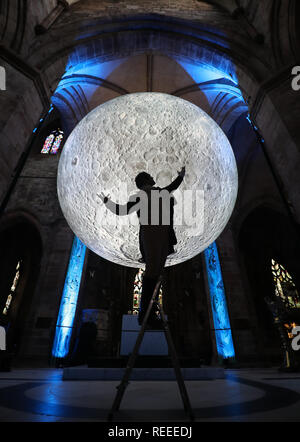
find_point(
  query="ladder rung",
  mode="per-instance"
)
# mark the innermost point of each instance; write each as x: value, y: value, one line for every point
x: 180, y: 381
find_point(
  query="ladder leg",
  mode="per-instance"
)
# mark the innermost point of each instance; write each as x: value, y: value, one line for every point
x: 177, y: 369
x: 130, y: 364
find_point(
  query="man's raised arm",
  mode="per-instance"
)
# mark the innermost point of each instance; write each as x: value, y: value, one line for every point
x: 176, y: 183
x: 121, y: 209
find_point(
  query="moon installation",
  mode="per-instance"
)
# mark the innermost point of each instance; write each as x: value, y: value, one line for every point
x: 157, y: 133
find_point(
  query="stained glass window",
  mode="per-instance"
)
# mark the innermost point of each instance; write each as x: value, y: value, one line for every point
x: 284, y: 286
x: 48, y: 144
x: 56, y: 144
x: 53, y: 142
x: 137, y: 291
x: 12, y: 289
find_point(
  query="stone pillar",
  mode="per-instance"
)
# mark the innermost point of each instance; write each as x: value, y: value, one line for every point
x: 275, y: 111
x: 241, y: 319
x: 22, y: 104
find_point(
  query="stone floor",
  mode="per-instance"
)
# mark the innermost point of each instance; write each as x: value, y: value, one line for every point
x: 255, y: 395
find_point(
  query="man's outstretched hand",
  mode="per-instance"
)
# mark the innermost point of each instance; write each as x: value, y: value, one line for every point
x: 182, y: 172
x: 104, y: 198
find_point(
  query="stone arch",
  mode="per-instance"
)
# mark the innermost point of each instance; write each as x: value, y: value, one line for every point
x: 11, y: 218
x: 172, y: 41
x: 266, y: 202
x: 204, y: 29
x: 267, y: 234
x: 248, y: 70
x: 284, y: 30
x: 21, y: 251
x: 249, y: 64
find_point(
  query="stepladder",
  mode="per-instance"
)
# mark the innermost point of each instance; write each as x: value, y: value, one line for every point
x: 172, y: 351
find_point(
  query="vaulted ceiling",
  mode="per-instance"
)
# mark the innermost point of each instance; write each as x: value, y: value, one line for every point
x: 215, y: 54
x: 226, y: 56
x: 84, y: 87
x: 197, y: 50
x: 142, y: 52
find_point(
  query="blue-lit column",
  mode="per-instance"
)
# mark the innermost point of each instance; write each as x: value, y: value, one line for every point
x: 67, y: 310
x: 221, y: 320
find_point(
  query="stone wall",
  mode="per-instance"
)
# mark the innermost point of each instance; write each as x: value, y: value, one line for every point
x: 35, y: 194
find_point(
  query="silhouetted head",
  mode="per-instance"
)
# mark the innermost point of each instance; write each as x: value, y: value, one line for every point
x: 144, y: 179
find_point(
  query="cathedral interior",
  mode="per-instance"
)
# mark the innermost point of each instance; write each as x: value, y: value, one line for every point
x: 237, y: 60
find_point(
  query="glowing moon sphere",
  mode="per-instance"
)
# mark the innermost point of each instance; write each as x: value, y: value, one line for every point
x: 160, y: 134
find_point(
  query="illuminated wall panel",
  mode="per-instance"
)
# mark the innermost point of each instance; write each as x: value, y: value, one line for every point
x: 221, y: 320
x: 68, y: 303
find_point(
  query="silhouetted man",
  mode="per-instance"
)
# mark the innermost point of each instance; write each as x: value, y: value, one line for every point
x: 155, y: 209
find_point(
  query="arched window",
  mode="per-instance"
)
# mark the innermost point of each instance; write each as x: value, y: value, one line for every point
x: 53, y: 142
x: 284, y: 286
x: 12, y: 288
x: 137, y: 291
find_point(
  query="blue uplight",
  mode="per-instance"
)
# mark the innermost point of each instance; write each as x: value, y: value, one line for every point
x: 68, y: 303
x: 205, y: 72
x: 256, y: 130
x: 221, y: 320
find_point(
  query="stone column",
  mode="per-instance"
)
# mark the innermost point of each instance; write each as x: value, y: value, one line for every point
x: 242, y: 319
x: 275, y: 111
